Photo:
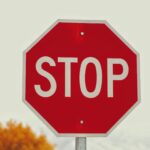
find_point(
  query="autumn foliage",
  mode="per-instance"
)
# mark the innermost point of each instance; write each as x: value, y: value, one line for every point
x: 15, y: 136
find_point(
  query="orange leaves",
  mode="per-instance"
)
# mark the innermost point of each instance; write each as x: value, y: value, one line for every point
x: 15, y: 136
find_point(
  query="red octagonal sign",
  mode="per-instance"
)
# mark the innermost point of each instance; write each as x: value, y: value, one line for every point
x: 81, y: 77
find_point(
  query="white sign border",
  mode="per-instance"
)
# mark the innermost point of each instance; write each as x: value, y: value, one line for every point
x: 74, y: 134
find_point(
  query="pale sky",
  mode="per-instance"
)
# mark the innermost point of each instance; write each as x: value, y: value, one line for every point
x: 21, y: 22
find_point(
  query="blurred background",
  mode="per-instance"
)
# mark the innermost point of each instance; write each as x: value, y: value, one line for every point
x: 21, y: 22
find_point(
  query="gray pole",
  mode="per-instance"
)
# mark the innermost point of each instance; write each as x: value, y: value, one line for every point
x: 80, y: 143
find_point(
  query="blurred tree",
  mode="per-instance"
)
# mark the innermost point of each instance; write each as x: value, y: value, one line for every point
x: 15, y: 136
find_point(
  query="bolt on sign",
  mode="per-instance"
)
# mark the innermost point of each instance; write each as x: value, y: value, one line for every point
x: 81, y: 78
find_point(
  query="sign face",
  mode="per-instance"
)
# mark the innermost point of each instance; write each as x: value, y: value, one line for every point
x: 81, y: 78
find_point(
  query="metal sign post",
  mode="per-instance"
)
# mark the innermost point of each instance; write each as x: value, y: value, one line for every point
x: 80, y: 143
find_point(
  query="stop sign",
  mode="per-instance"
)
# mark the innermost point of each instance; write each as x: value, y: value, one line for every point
x: 81, y: 77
